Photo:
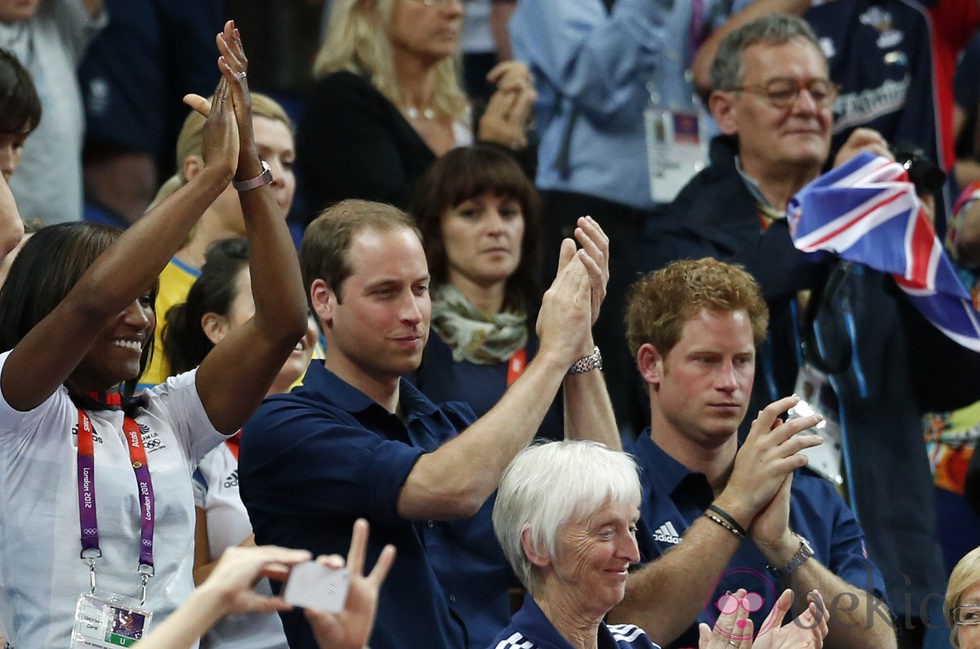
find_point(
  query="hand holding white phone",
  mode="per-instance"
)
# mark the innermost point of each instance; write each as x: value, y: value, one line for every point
x: 316, y: 586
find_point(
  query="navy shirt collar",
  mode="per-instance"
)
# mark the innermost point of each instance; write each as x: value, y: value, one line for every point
x: 670, y: 473
x: 320, y: 381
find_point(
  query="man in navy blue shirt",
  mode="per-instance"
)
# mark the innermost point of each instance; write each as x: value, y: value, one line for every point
x: 358, y: 441
x: 750, y: 520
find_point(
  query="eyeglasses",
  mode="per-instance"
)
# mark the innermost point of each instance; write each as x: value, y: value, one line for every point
x: 968, y: 615
x: 783, y: 91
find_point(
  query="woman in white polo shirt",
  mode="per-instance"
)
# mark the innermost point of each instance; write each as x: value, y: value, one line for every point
x: 96, y: 504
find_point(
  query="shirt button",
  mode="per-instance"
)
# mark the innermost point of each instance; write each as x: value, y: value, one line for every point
x: 430, y: 524
x: 452, y: 598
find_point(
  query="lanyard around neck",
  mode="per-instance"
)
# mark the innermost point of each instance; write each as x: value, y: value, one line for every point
x: 86, y: 493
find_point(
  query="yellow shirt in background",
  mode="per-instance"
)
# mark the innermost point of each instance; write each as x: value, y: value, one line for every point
x: 175, y: 283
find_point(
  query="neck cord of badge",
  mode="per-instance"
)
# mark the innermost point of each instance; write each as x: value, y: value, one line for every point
x: 87, y: 504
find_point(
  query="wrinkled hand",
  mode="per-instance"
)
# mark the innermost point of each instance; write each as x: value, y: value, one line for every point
x: 232, y: 581
x: 770, y: 453
x: 863, y: 139
x: 564, y: 324
x: 807, y: 631
x: 733, y: 628
x: 351, y: 628
x: 509, y: 110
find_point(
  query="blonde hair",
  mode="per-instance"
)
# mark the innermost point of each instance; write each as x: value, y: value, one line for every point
x: 190, y: 140
x: 965, y: 573
x: 357, y: 41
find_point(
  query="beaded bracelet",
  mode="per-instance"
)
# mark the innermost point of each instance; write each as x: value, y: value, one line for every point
x: 725, y: 520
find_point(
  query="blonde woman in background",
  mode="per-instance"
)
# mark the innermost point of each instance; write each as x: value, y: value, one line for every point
x: 388, y: 101
x: 963, y: 602
x: 223, y: 219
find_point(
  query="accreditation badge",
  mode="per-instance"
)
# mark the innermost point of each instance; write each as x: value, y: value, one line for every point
x: 108, y: 620
x: 817, y: 397
x: 677, y: 148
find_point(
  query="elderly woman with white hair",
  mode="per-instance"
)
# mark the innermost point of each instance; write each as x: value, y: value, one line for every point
x: 565, y: 516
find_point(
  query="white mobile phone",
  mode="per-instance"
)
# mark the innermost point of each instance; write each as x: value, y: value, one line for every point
x: 312, y: 585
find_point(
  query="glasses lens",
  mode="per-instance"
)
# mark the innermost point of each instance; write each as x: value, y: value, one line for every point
x: 967, y: 615
x: 781, y: 92
x: 822, y: 91
x: 784, y: 91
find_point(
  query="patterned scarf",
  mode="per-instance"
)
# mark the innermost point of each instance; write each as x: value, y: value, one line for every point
x: 472, y: 334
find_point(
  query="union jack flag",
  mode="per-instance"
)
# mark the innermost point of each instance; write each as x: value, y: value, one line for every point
x: 866, y: 211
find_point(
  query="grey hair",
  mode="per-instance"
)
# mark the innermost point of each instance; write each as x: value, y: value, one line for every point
x: 727, y: 70
x: 553, y: 483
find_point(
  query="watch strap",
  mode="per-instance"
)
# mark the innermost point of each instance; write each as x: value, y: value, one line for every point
x: 802, y: 554
x: 587, y: 363
x: 263, y: 178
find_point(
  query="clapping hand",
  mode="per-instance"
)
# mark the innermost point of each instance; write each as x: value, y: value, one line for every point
x: 734, y: 629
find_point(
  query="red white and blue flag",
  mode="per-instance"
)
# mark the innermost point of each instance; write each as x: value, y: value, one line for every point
x: 866, y: 211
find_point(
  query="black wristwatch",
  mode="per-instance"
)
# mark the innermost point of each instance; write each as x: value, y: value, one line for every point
x: 804, y: 553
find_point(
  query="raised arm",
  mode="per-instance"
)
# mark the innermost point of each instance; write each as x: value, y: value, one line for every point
x: 456, y: 479
x: 250, y: 357
x: 588, y: 411
x: 44, y: 358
